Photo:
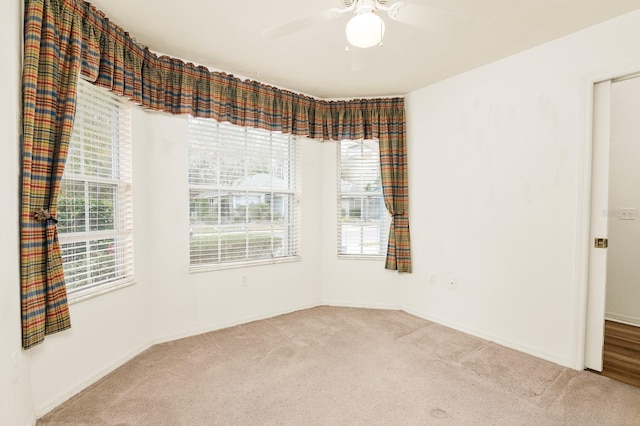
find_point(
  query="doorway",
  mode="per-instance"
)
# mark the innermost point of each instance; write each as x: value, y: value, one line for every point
x: 613, y: 319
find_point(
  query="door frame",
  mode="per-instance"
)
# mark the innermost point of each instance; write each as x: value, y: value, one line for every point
x: 583, y: 306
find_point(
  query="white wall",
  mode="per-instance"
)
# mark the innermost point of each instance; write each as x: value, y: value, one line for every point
x: 185, y: 303
x: 623, y: 268
x: 16, y: 404
x: 495, y: 165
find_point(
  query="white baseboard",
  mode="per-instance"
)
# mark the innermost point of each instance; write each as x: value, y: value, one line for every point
x: 54, y: 402
x: 220, y: 326
x: 622, y: 318
x: 342, y: 304
x: 565, y: 362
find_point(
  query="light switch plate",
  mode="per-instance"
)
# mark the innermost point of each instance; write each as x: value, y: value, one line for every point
x: 628, y: 213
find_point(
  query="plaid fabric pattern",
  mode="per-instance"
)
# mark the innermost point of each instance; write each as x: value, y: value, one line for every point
x: 113, y: 60
x: 64, y: 37
x: 52, y: 47
x: 395, y: 187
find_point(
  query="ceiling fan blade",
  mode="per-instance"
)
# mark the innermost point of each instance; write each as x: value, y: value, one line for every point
x: 428, y: 18
x: 301, y: 23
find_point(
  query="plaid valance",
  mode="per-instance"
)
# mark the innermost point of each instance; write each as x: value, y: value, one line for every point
x: 67, y: 37
x: 112, y: 59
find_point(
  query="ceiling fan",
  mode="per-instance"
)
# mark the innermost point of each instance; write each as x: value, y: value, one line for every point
x: 366, y: 27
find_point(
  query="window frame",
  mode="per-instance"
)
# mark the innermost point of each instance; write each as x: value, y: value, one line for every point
x: 291, y: 228
x: 95, y: 100
x: 384, y: 225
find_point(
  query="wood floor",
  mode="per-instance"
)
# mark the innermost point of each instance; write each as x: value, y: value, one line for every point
x: 622, y: 353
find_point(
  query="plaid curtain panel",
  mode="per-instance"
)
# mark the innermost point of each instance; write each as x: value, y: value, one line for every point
x: 395, y: 187
x: 66, y: 37
x: 52, y: 47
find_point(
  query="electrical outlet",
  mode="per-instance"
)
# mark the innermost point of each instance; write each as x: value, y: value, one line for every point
x: 451, y: 284
x: 433, y: 279
x: 244, y: 281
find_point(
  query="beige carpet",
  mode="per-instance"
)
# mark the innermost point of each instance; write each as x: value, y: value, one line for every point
x: 345, y: 366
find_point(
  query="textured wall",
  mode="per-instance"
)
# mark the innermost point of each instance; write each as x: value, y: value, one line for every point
x: 495, y: 162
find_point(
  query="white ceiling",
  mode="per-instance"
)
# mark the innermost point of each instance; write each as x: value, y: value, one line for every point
x: 225, y: 35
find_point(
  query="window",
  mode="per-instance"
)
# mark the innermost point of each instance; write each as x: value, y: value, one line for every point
x: 363, y: 220
x: 243, y: 185
x: 94, y: 203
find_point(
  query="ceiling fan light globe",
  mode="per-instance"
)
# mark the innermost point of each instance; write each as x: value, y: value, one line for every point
x: 365, y: 30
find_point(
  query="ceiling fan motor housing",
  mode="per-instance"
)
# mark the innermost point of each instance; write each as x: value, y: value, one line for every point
x: 349, y: 3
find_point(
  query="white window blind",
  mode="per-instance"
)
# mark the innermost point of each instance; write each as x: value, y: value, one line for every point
x: 94, y: 203
x: 363, y: 220
x: 243, y: 195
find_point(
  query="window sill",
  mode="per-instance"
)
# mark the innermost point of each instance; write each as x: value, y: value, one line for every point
x: 82, y: 295
x: 237, y: 265
x: 374, y: 257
